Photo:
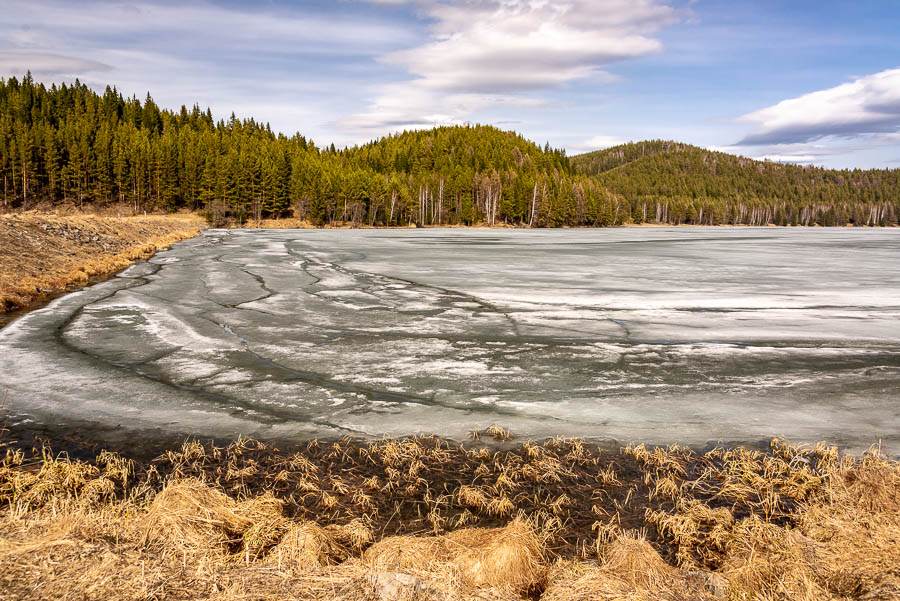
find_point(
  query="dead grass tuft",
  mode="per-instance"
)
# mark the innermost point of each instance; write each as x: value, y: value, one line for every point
x: 494, y: 431
x: 629, y: 569
x: 58, y: 479
x: 203, y: 518
x: 636, y: 562
x: 195, y: 514
x: 306, y: 546
x: 510, y: 558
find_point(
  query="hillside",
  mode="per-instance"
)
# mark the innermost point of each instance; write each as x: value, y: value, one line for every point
x: 680, y: 183
x: 69, y: 146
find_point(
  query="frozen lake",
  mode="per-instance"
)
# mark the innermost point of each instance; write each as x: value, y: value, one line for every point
x: 656, y: 335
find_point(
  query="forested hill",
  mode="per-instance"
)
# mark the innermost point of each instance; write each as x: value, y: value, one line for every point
x: 676, y: 181
x: 67, y: 145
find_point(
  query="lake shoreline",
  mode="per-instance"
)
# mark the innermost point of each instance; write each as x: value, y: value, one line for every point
x: 293, y: 223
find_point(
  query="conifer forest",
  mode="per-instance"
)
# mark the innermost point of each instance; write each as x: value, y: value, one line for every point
x: 67, y: 145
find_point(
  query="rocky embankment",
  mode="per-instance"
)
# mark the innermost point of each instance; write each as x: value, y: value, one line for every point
x: 43, y: 255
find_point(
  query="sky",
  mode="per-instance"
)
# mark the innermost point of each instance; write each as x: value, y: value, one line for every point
x: 812, y: 82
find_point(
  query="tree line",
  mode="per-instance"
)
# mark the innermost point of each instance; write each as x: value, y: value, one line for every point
x: 68, y: 145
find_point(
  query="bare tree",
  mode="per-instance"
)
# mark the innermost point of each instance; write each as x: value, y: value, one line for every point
x: 257, y: 209
x: 440, y: 200
x: 302, y: 206
x: 394, y: 196
x: 533, y: 204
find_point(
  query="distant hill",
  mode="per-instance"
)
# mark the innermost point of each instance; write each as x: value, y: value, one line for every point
x: 67, y: 145
x: 740, y: 190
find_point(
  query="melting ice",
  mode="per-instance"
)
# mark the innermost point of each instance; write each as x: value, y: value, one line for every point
x: 659, y: 335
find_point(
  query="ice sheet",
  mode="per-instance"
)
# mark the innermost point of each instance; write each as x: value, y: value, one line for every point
x: 689, y: 335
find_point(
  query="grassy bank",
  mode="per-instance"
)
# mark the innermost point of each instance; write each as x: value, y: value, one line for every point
x: 43, y: 254
x: 426, y: 519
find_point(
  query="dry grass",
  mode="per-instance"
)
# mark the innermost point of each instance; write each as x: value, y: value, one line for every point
x: 628, y: 569
x: 289, y: 223
x: 306, y: 546
x: 418, y: 519
x: 510, y: 559
x: 201, y: 517
x: 44, y: 254
x: 276, y: 224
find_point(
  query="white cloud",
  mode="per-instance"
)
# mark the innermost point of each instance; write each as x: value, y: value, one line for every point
x: 802, y: 159
x: 598, y: 143
x: 516, y: 46
x: 485, y: 53
x: 865, y: 106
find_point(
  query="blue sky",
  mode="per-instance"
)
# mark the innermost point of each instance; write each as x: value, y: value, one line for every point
x: 802, y: 81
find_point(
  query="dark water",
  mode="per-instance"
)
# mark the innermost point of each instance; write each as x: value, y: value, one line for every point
x: 651, y: 334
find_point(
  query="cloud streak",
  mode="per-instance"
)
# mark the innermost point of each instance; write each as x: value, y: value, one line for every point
x: 46, y: 63
x: 104, y: 21
x: 818, y: 151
